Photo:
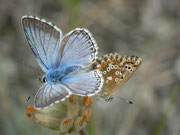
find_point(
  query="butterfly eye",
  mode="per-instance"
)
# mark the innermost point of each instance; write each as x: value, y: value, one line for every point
x: 44, y: 79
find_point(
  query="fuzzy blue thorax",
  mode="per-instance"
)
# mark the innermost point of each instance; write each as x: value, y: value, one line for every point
x: 54, y: 74
x: 58, y: 74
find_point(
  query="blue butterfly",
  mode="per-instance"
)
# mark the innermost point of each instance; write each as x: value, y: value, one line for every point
x: 65, y: 61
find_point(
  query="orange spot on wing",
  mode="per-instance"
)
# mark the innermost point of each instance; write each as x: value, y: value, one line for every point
x: 118, y: 60
x: 31, y: 108
x: 86, y: 117
x: 122, y: 70
x: 103, y: 63
x: 71, y: 99
x: 66, y: 122
x: 28, y: 114
x: 87, y: 101
x: 114, y: 60
x: 108, y: 61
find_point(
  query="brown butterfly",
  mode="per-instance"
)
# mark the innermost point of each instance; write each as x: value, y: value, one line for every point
x: 116, y: 70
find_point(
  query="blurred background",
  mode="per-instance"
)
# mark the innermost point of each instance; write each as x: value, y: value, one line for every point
x: 149, y: 29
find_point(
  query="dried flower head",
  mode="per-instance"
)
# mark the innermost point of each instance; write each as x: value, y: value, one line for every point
x: 66, y: 116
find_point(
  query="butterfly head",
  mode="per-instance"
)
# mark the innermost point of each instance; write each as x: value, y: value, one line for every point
x: 43, y: 79
x: 52, y: 75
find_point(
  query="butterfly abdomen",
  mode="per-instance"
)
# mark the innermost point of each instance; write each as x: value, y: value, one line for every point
x: 116, y: 70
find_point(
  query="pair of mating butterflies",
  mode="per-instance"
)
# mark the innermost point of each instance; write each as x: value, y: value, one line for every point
x: 67, y: 62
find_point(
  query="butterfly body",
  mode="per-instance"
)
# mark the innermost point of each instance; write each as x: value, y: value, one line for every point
x: 58, y: 74
x: 64, y: 60
x: 54, y: 75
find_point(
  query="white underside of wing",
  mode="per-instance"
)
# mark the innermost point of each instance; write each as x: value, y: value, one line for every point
x: 51, y: 93
x: 85, y: 84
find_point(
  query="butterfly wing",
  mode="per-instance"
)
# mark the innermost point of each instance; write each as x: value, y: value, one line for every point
x: 84, y: 84
x: 44, y: 39
x: 50, y: 93
x: 79, y: 49
x: 116, y: 71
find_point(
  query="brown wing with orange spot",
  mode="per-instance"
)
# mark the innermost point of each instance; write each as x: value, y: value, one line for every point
x: 116, y: 70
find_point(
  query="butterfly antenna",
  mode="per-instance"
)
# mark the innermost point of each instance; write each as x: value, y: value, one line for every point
x: 109, y: 99
x: 32, y: 68
x: 28, y: 98
x: 126, y: 100
x: 28, y: 66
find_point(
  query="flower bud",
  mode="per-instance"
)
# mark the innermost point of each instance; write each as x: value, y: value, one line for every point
x: 66, y: 116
